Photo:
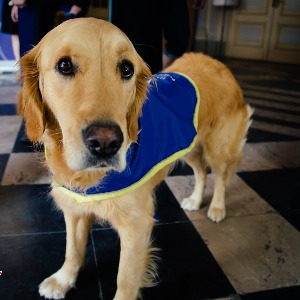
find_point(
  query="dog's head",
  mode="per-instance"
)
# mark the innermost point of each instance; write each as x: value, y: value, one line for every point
x: 85, y: 84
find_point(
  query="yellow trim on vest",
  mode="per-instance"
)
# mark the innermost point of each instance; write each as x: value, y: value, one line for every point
x: 81, y: 198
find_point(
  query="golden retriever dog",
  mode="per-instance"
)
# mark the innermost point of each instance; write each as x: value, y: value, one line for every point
x: 83, y: 91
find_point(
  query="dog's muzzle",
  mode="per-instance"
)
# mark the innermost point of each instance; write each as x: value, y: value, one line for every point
x: 103, y: 140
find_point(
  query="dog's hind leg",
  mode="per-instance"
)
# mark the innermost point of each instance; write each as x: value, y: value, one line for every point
x: 57, y: 285
x: 217, y: 210
x: 196, y: 162
x: 224, y: 156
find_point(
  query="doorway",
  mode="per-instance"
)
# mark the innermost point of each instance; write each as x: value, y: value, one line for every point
x: 267, y: 30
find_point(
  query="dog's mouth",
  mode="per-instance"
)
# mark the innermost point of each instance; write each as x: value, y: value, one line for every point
x: 109, y: 163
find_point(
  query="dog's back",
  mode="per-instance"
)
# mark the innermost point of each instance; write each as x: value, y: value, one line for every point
x: 224, y: 119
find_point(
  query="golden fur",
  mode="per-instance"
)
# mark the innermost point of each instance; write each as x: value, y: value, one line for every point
x: 57, y: 108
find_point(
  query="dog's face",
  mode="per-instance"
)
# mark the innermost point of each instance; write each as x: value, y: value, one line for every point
x: 85, y: 84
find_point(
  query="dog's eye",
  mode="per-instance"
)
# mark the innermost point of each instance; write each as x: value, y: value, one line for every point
x: 65, y: 67
x: 126, y: 69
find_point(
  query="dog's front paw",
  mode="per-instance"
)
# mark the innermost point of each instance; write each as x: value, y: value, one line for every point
x: 55, y: 288
x: 216, y: 214
x: 190, y: 204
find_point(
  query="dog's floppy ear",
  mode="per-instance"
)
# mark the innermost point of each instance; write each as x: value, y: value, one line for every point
x: 136, y: 107
x: 30, y: 104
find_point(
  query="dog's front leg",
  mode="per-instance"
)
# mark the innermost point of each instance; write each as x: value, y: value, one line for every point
x: 136, y: 268
x: 57, y: 285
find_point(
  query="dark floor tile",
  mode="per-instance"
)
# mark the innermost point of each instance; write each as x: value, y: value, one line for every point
x: 187, y: 269
x: 168, y: 209
x: 259, y: 136
x: 276, y: 121
x: 107, y: 248
x: 270, y: 98
x: 22, y: 144
x: 181, y: 169
x: 288, y: 293
x: 290, y: 85
x: 28, y: 209
x: 7, y: 109
x: 3, y: 162
x: 269, y: 92
x: 280, y: 188
x: 278, y: 110
x: 27, y: 260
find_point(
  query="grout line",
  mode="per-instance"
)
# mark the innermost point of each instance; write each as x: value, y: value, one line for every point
x: 93, y: 229
x: 32, y: 233
x: 173, y: 223
x: 95, y: 258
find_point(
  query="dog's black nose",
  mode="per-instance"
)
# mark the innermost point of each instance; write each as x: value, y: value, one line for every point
x: 103, y: 140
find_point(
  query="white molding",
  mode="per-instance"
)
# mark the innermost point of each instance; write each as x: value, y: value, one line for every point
x: 8, y: 66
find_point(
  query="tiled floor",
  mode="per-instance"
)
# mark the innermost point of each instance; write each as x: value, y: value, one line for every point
x: 253, y: 254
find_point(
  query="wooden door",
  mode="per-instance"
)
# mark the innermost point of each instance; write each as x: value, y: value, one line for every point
x: 266, y: 30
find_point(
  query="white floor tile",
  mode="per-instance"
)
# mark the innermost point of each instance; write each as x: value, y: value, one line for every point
x: 245, y: 203
x: 256, y: 253
x: 271, y: 155
x: 26, y: 168
x: 9, y: 128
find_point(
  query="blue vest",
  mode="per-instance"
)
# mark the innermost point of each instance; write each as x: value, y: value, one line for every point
x: 168, y: 130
